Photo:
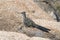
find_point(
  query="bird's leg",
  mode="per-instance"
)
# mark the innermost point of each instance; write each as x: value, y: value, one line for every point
x: 21, y: 27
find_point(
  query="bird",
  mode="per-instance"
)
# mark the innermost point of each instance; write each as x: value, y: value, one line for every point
x: 29, y: 23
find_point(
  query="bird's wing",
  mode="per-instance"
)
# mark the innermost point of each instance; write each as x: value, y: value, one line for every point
x: 29, y: 22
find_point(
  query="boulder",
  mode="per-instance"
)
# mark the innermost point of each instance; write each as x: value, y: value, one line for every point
x: 4, y: 35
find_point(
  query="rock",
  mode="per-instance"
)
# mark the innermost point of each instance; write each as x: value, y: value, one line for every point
x: 50, y: 9
x: 17, y: 36
x: 12, y: 36
x: 38, y: 38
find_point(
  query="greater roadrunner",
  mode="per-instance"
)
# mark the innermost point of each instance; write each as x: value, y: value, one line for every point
x: 28, y: 22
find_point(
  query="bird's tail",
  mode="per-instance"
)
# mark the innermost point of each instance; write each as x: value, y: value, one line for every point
x: 42, y: 28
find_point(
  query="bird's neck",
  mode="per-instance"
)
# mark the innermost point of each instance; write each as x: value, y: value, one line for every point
x: 24, y: 17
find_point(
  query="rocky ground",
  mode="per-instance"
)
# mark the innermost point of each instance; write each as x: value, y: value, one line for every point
x: 17, y: 36
x: 46, y: 7
x: 11, y: 21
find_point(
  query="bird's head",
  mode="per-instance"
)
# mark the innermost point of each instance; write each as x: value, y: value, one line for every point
x: 23, y: 13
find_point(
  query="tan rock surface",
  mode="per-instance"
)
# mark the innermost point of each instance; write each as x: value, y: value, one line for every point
x: 10, y: 20
x: 17, y: 36
x: 38, y: 38
x: 12, y: 36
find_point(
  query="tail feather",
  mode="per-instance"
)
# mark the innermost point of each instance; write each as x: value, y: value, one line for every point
x: 43, y: 28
